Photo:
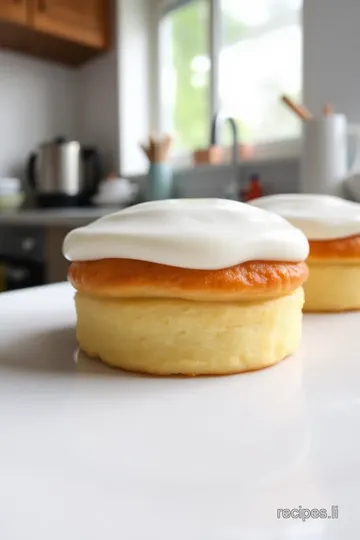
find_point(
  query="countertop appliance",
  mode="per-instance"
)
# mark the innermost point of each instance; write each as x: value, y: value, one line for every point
x: 22, y: 257
x: 64, y: 173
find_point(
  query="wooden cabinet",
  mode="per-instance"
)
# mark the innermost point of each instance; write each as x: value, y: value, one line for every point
x: 69, y: 31
x: 14, y: 11
x: 82, y: 21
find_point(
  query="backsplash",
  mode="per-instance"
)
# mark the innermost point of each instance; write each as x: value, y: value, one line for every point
x: 38, y: 101
x: 276, y: 176
x: 212, y: 181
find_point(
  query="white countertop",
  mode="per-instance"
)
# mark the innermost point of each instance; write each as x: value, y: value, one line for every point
x: 88, y: 453
x: 54, y: 217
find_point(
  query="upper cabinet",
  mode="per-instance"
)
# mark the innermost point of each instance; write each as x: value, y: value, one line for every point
x: 14, y: 10
x: 83, y: 21
x: 68, y: 31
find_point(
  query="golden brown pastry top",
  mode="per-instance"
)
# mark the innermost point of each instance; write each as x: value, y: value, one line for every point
x: 124, y: 278
x: 342, y: 250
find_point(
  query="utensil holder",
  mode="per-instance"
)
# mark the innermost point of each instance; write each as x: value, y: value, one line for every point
x: 324, y: 155
x: 159, y: 182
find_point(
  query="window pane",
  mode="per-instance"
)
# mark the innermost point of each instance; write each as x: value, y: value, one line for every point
x: 257, y: 13
x: 185, y: 68
x: 261, y: 59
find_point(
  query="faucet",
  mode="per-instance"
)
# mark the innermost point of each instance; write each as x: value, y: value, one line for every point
x: 233, y: 189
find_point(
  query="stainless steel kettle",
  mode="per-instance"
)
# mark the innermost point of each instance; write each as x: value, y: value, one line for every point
x: 64, y: 173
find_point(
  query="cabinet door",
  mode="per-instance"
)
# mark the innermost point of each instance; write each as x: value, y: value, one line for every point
x: 81, y: 21
x: 14, y: 11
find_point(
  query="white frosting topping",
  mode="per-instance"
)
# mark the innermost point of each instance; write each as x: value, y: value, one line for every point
x: 320, y: 217
x: 204, y: 234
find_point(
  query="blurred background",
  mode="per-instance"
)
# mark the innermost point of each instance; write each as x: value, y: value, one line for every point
x: 88, y: 88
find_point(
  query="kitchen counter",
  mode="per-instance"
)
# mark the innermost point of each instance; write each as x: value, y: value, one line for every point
x: 91, y: 453
x: 54, y: 217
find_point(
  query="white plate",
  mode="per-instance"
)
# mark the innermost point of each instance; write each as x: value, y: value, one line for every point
x: 87, y: 452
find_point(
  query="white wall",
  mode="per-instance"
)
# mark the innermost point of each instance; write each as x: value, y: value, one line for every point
x: 331, y: 55
x: 37, y: 102
x: 98, y: 107
x: 135, y: 36
x: 114, y: 99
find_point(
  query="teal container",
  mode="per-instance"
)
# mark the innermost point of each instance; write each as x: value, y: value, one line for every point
x: 159, y: 182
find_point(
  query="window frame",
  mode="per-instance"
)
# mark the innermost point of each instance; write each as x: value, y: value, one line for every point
x: 266, y: 151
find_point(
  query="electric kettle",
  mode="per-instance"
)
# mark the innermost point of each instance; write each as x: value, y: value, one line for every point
x: 64, y: 173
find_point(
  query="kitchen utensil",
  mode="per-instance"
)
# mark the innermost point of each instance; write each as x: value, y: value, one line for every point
x: 325, y: 161
x: 300, y: 110
x: 328, y: 109
x: 64, y: 173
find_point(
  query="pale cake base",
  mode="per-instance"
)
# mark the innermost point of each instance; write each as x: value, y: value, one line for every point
x: 184, y: 337
x: 332, y: 287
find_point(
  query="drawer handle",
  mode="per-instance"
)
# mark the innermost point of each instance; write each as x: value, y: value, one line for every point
x: 28, y: 244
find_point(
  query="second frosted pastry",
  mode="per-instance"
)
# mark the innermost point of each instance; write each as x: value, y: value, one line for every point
x: 332, y: 226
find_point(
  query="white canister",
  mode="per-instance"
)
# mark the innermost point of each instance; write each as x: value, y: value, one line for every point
x: 324, y: 160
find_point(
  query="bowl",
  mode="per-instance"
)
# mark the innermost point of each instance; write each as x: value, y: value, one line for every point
x: 12, y: 202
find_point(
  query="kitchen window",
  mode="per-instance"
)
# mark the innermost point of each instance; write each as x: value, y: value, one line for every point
x: 235, y: 55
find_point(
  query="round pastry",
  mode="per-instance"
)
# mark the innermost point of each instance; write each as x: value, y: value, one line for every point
x: 332, y: 226
x: 188, y: 287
